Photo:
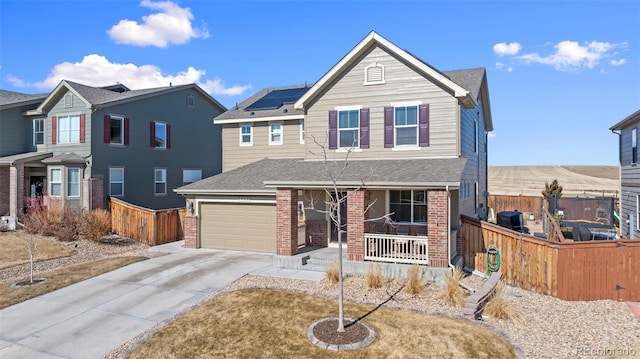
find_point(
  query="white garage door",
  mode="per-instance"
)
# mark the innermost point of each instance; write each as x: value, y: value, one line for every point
x: 246, y: 227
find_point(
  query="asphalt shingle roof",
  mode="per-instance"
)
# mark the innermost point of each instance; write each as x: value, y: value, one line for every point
x: 252, y: 177
x: 100, y: 96
x: 8, y: 98
x: 239, y: 112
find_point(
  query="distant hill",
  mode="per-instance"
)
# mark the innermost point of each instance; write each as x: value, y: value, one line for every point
x: 575, y: 180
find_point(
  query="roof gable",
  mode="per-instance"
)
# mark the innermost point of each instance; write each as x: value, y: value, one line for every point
x: 245, y: 112
x: 374, y: 39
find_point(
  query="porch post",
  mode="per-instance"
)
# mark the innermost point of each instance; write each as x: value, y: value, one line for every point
x: 4, y: 190
x: 287, y: 221
x: 437, y: 227
x: 356, y: 205
x: 16, y: 189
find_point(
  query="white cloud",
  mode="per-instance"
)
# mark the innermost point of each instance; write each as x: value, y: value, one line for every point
x: 503, y: 49
x: 97, y: 70
x: 571, y: 56
x: 491, y: 134
x: 618, y: 62
x: 501, y: 66
x: 170, y: 25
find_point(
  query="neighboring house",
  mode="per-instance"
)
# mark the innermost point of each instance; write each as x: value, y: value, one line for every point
x: 80, y: 145
x: 417, y: 141
x: 629, y: 175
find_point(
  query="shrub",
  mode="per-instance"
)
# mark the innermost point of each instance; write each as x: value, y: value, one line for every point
x: 452, y: 293
x: 415, y: 284
x: 333, y: 272
x: 44, y: 221
x: 375, y: 279
x: 96, y: 224
x: 499, y: 307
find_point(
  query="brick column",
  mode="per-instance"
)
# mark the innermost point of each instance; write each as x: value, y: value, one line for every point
x: 4, y: 190
x: 286, y: 221
x: 356, y: 205
x: 191, y: 231
x: 438, y: 227
x: 16, y: 189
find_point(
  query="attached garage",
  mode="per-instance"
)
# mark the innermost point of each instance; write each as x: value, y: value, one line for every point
x: 238, y: 226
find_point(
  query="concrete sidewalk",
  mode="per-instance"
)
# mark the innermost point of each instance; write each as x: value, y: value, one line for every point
x: 93, y: 317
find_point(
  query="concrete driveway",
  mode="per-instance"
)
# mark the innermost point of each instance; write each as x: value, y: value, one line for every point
x: 91, y: 318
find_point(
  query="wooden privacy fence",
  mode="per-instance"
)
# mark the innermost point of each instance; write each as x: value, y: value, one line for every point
x: 146, y: 225
x: 501, y: 203
x: 570, y: 270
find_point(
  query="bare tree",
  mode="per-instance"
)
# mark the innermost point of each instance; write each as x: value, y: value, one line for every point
x: 334, y: 171
x: 31, y: 243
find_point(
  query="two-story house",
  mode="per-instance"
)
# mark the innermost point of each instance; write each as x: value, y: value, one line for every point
x: 80, y: 145
x: 416, y: 140
x: 629, y: 175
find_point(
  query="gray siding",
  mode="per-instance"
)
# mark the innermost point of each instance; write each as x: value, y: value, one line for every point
x: 15, y: 131
x: 630, y: 186
x: 195, y: 144
x: 625, y: 144
x: 59, y: 109
x: 236, y: 155
x: 402, y: 84
x: 476, y: 167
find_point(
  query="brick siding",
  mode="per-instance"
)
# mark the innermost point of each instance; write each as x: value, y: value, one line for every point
x: 356, y: 205
x: 287, y: 221
x: 438, y: 228
x: 191, y: 232
x: 16, y: 189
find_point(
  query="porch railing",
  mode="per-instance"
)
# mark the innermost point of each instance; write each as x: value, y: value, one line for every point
x: 396, y: 248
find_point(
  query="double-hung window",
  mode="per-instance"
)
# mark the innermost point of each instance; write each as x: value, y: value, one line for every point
x: 68, y: 129
x: 634, y: 145
x: 116, y: 181
x: 246, y: 135
x: 160, y: 185
x: 116, y: 126
x: 302, y: 132
x: 38, y: 131
x: 275, y: 134
x: 190, y: 176
x: 160, y: 134
x: 73, y: 182
x: 406, y: 125
x: 349, y: 128
x: 408, y: 206
x: 55, y: 182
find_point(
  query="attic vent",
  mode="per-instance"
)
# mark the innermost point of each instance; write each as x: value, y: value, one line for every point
x: 374, y: 74
x: 190, y: 101
x: 68, y: 100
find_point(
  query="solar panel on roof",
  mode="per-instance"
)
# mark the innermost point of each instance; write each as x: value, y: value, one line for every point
x: 276, y: 98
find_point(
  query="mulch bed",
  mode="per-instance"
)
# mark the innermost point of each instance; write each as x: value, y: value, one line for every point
x: 327, y: 331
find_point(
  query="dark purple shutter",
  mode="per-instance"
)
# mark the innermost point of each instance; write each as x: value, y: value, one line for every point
x: 364, y: 128
x: 126, y: 131
x: 168, y: 136
x: 152, y: 133
x: 333, y: 130
x: 423, y: 128
x: 107, y: 129
x: 388, y: 127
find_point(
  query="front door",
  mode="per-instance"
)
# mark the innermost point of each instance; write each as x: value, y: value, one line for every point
x: 333, y: 242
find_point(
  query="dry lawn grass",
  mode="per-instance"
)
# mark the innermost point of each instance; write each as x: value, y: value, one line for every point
x: 267, y: 323
x: 61, y: 278
x: 14, y: 251
x: 500, y: 307
x: 415, y: 285
x: 452, y: 292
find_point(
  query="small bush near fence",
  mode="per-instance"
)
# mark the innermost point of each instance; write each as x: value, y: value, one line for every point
x: 68, y: 224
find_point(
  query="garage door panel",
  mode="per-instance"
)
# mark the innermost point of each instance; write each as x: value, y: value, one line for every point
x: 233, y: 226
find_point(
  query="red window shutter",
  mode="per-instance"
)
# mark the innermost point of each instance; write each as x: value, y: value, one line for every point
x: 423, y: 125
x: 54, y: 130
x: 364, y: 128
x: 126, y: 131
x: 333, y: 130
x: 152, y: 132
x: 107, y: 129
x: 388, y: 127
x: 83, y: 119
x: 168, y: 136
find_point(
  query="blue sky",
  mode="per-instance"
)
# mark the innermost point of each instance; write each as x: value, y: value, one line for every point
x: 560, y: 73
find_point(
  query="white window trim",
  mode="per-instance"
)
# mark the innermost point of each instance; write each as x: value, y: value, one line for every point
x: 302, y: 132
x: 58, y: 137
x: 155, y: 182
x: 347, y: 108
x: 634, y: 143
x: 366, y: 70
x: 411, y: 146
x: 250, y: 143
x: 51, y: 183
x: 121, y: 118
x: 190, y: 169
x: 161, y: 124
x: 33, y: 126
x: 122, y: 182
x: 272, y: 132
x: 79, y: 182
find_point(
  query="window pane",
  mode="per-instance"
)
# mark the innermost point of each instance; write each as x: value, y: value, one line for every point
x: 420, y: 197
x: 349, y: 138
x: 55, y: 175
x: 55, y: 189
x: 401, y: 116
x: 116, y: 189
x: 412, y: 115
x: 73, y: 182
x: 190, y: 176
x: 246, y: 129
x: 420, y: 213
x: 160, y: 188
x: 161, y: 135
x: 353, y: 119
x: 406, y: 136
x: 116, y: 130
x: 115, y: 174
x: 39, y: 138
x: 246, y: 138
x: 160, y: 175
